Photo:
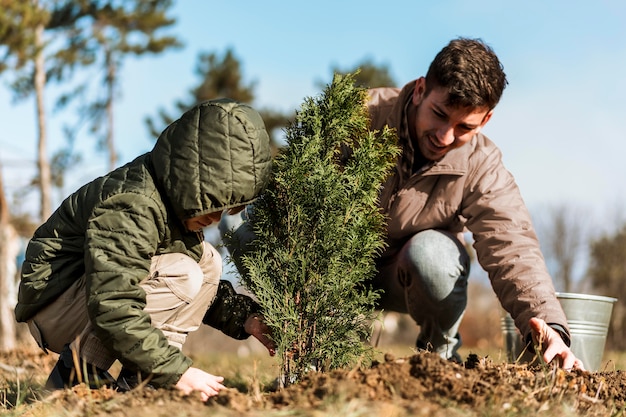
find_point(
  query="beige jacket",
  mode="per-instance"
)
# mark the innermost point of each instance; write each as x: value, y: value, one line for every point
x: 469, y: 189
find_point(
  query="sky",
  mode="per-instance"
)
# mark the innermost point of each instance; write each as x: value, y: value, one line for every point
x: 560, y: 123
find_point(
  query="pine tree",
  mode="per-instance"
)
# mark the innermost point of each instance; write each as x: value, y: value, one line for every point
x: 318, y: 230
x: 115, y: 31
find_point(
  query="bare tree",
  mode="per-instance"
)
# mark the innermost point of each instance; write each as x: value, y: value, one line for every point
x: 607, y: 270
x: 563, y: 231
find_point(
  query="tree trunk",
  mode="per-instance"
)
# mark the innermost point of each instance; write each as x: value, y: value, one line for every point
x: 109, y: 110
x: 8, y: 294
x: 45, y: 181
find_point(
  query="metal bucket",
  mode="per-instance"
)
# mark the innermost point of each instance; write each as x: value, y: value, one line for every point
x: 588, y: 318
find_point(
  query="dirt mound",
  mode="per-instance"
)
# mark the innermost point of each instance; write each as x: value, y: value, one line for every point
x: 422, y: 384
x: 427, y: 382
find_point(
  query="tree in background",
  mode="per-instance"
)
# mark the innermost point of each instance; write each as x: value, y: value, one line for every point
x: 607, y: 271
x: 8, y: 275
x: 368, y: 74
x: 39, y: 47
x: 219, y: 77
x: 564, y: 238
x: 23, y: 43
x: 31, y: 53
x: 45, y: 41
x: 318, y: 229
x: 116, y: 30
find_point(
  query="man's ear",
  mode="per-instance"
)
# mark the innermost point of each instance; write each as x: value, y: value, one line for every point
x: 486, y: 118
x: 420, y: 91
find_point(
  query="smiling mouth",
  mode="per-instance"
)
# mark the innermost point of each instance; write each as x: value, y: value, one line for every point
x: 434, y: 144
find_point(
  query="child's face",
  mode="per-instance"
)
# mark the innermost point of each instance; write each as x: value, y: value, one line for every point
x: 196, y: 224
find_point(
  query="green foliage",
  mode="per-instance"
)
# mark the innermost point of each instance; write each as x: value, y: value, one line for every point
x: 368, y: 74
x: 318, y: 229
x: 221, y: 77
x: 17, y: 37
x: 47, y: 29
x: 47, y: 41
x: 118, y: 30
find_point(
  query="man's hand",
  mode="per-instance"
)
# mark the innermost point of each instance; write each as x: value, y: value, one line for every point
x: 195, y: 379
x: 553, y: 346
x: 256, y: 327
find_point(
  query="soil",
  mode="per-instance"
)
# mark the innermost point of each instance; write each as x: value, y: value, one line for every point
x: 422, y: 384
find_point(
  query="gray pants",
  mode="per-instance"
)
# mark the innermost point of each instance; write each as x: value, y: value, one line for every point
x: 427, y: 280
x: 178, y: 293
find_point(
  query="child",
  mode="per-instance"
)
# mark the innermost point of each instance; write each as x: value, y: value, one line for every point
x: 121, y: 269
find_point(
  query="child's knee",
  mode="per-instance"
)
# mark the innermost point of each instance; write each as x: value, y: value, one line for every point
x: 211, y: 264
x: 176, y: 273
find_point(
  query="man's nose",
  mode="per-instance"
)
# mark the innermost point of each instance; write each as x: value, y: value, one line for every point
x: 445, y: 135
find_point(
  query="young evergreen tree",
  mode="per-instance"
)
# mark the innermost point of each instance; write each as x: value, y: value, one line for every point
x: 317, y: 231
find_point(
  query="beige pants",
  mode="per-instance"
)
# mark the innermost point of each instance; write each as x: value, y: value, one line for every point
x: 178, y: 293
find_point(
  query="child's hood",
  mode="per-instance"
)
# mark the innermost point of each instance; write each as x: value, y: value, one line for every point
x: 216, y: 156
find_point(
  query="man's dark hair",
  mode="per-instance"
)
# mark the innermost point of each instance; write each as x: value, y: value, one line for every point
x: 471, y: 72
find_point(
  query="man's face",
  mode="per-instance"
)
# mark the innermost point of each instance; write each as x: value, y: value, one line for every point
x: 438, y: 128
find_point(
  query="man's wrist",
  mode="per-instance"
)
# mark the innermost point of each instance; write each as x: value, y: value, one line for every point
x: 557, y: 328
x: 562, y: 332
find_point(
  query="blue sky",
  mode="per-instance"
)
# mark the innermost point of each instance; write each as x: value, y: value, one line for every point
x: 559, y: 123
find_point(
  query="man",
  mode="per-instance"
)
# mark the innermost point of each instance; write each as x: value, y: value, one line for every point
x: 450, y: 178
x: 121, y: 269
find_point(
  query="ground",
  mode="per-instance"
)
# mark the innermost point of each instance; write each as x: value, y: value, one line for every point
x: 420, y: 384
x: 401, y: 383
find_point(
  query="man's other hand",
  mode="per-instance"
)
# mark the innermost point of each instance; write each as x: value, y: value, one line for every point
x: 553, y: 346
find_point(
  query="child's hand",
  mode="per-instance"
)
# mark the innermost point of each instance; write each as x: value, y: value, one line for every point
x: 255, y: 326
x: 195, y: 379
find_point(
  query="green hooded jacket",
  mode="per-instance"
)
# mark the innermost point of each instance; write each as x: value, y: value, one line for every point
x: 216, y: 156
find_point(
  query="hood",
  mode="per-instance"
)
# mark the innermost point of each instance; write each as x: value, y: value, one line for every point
x: 216, y: 156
